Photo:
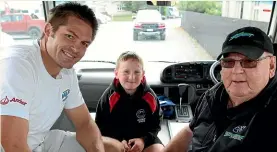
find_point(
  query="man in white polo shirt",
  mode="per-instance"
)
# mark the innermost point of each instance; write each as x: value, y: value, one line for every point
x: 37, y: 82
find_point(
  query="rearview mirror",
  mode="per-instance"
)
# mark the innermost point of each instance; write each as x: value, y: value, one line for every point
x: 133, y: 17
x: 163, y: 17
x: 159, y: 3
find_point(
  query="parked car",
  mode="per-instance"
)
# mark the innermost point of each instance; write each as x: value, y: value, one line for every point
x: 172, y: 12
x: 149, y: 23
x: 20, y: 23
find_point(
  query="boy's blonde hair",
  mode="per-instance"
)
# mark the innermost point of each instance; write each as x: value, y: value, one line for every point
x: 128, y: 55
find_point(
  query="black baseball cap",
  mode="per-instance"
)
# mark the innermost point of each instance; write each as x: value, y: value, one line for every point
x: 249, y: 41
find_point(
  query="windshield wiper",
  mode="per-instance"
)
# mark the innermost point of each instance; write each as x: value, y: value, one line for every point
x: 103, y: 61
x: 165, y: 61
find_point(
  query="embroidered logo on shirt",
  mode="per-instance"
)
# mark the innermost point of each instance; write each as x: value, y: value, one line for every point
x: 238, y: 129
x: 236, y: 133
x: 233, y: 136
x: 141, y: 115
x: 65, y: 94
x: 6, y: 100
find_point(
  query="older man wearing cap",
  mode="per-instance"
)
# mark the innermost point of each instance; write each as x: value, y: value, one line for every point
x: 239, y: 113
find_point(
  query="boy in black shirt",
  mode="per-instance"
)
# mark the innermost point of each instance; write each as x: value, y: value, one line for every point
x: 128, y: 113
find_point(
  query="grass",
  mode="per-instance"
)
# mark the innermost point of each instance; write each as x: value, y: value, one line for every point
x: 122, y: 17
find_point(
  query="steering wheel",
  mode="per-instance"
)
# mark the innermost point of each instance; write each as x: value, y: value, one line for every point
x: 212, y: 68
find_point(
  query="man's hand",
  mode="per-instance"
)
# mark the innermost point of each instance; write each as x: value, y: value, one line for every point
x: 126, y: 146
x: 180, y: 142
x: 136, y: 144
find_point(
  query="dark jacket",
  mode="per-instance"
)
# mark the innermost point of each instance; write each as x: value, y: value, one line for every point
x: 250, y: 126
x: 122, y: 116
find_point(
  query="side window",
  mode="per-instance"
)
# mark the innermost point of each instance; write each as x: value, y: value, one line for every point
x: 34, y: 16
x: 6, y: 18
x: 16, y: 18
x: 24, y: 11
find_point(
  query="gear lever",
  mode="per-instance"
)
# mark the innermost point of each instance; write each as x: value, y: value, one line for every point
x: 182, y: 88
x: 184, y: 114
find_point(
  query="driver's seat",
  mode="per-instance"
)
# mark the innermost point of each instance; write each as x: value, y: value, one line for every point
x: 275, y: 53
x: 275, y: 49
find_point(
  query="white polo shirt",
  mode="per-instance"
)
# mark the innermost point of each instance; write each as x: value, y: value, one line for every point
x: 28, y: 91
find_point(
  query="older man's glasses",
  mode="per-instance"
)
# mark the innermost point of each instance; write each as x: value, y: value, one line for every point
x: 245, y: 63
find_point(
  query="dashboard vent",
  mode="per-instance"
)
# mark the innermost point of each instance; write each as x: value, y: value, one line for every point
x: 168, y: 74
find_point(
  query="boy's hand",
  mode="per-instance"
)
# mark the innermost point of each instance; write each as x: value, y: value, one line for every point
x: 136, y: 144
x: 126, y: 146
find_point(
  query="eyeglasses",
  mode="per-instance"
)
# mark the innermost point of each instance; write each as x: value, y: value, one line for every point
x: 245, y: 63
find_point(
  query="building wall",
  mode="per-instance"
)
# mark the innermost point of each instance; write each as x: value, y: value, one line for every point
x: 249, y: 10
x: 104, y: 6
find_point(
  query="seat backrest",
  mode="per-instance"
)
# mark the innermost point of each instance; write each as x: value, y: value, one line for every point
x: 63, y: 123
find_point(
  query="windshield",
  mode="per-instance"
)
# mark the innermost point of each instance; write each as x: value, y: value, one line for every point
x: 185, y: 31
x: 149, y: 16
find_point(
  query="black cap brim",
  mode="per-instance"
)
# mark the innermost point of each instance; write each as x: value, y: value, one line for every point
x: 248, y: 51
